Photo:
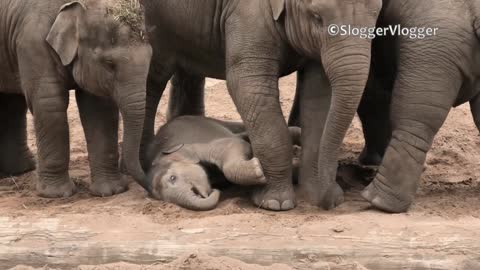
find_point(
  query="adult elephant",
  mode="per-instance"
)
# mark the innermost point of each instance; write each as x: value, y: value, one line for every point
x: 47, y: 48
x: 251, y: 44
x: 414, y: 84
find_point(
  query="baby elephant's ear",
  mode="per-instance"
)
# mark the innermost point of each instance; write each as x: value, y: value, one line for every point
x: 181, y: 153
x: 173, y: 149
x: 64, y: 36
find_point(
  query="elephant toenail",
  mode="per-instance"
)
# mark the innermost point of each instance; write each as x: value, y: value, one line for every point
x: 273, y: 205
x: 287, y: 205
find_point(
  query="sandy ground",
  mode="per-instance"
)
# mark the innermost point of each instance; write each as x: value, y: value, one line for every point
x: 449, y: 188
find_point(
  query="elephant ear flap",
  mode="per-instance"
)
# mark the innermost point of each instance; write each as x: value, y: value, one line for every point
x: 278, y: 7
x: 181, y: 153
x: 64, y: 36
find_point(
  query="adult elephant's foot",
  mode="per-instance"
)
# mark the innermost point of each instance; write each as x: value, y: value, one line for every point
x: 387, y: 199
x: 18, y: 163
x: 55, y: 187
x: 274, y: 198
x: 333, y: 197
x: 105, y: 187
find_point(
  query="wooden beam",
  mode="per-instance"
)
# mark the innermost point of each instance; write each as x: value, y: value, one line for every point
x: 75, y: 240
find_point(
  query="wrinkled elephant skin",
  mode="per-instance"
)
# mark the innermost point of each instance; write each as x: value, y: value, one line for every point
x: 47, y: 48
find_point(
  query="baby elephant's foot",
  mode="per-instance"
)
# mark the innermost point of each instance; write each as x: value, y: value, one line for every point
x: 245, y: 172
x: 274, y: 198
x: 258, y: 178
x: 105, y: 187
x: 386, y: 199
x: 55, y: 188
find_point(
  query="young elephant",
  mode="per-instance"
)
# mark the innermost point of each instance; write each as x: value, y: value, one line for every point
x: 48, y: 48
x: 188, y: 151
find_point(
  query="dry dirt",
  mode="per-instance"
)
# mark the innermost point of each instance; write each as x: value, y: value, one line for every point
x: 449, y: 188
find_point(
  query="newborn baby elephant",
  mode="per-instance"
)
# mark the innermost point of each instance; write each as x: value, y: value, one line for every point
x: 188, y: 150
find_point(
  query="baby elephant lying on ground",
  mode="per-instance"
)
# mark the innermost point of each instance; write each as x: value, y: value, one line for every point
x: 189, y: 151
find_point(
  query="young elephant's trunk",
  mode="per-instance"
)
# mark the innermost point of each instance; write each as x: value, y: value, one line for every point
x: 131, y: 102
x: 192, y: 201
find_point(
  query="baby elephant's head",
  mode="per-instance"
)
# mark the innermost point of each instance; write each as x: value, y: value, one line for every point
x: 177, y: 176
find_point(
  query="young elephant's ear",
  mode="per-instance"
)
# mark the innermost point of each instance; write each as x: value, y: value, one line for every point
x: 180, y: 153
x: 173, y: 149
x: 278, y: 7
x: 64, y: 36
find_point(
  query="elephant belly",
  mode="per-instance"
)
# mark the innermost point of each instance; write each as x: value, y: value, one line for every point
x: 208, y: 65
x: 468, y: 91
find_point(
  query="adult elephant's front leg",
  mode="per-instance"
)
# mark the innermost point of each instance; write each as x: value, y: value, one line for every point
x: 100, y: 123
x: 314, y: 95
x: 49, y: 103
x: 254, y: 88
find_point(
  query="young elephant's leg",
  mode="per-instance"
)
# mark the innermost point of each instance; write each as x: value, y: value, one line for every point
x: 186, y: 95
x: 99, y: 118
x: 15, y: 156
x: 234, y: 157
x: 425, y: 90
x: 374, y: 112
x: 49, y: 102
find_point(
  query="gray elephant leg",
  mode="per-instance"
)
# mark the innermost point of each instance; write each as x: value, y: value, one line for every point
x: 374, y: 112
x: 294, y: 117
x: 49, y: 102
x: 100, y: 123
x: 315, y: 96
x: 186, y: 95
x: 475, y: 109
x: 234, y: 157
x: 425, y: 90
x: 15, y: 156
x: 161, y: 70
x: 257, y: 100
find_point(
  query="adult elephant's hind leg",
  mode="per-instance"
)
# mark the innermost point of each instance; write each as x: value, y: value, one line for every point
x: 100, y: 123
x: 15, y: 156
x: 374, y: 112
x: 161, y: 69
x: 475, y: 109
x: 186, y: 95
x: 254, y: 87
x: 424, y: 92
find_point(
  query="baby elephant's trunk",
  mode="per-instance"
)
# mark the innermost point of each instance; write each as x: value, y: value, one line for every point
x: 194, y: 201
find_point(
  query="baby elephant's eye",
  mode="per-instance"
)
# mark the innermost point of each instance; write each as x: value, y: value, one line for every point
x: 172, y: 179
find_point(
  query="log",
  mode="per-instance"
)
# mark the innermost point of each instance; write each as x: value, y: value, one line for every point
x: 75, y: 240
